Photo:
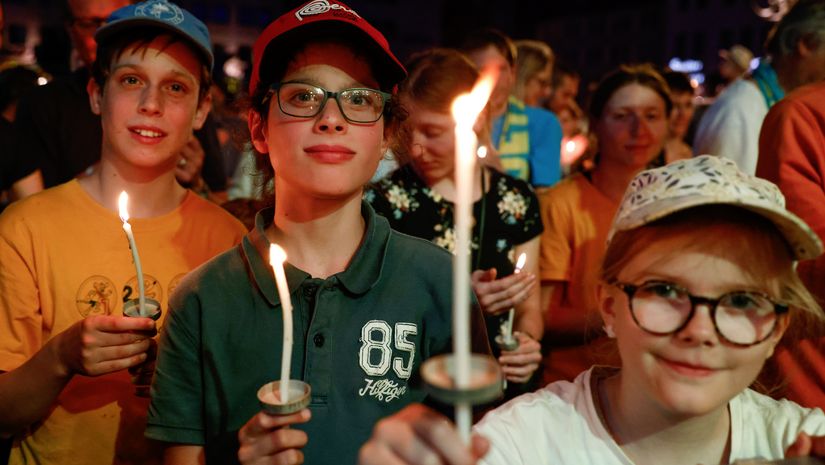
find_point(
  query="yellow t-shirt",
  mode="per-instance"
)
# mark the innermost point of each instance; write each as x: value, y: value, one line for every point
x: 577, y: 218
x: 64, y: 257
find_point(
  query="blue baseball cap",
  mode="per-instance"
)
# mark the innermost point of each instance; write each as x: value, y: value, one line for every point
x: 163, y: 14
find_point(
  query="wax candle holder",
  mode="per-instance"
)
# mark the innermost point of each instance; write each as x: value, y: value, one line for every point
x: 131, y: 308
x: 507, y: 342
x: 142, y: 374
x: 269, y: 396
x: 439, y: 380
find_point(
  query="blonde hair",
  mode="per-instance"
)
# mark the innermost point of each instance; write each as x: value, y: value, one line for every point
x: 532, y: 57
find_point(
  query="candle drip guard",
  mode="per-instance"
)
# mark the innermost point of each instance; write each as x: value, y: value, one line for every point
x: 270, y: 400
x: 485, y: 380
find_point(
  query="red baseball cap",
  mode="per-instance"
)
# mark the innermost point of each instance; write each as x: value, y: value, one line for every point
x: 322, y: 15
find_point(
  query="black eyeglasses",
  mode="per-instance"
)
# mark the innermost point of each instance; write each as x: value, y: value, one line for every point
x: 742, y: 318
x: 358, y: 105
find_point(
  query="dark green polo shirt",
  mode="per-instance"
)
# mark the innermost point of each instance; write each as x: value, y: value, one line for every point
x: 360, y: 338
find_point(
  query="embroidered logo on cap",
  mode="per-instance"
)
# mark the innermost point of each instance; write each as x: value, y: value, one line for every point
x: 318, y: 7
x: 162, y: 10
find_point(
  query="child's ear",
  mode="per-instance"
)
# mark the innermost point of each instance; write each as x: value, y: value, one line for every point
x: 94, y: 92
x: 202, y: 112
x: 607, y: 303
x: 782, y: 324
x: 257, y: 131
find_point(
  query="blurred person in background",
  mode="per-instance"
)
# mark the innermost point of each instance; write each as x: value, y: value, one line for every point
x: 575, y: 140
x: 534, y: 72
x: 795, y: 50
x: 734, y: 63
x: 527, y: 142
x: 19, y: 175
x: 792, y: 154
x: 681, y: 93
x: 564, y: 86
x: 629, y: 112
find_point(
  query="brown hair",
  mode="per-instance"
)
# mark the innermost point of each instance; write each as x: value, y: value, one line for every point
x: 436, y: 77
x: 643, y: 74
x: 119, y: 42
x: 481, y: 39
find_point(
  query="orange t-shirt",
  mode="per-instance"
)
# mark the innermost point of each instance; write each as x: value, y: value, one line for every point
x: 64, y: 257
x: 577, y: 218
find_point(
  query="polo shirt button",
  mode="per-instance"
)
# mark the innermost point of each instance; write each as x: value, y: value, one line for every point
x: 309, y: 291
x: 319, y: 340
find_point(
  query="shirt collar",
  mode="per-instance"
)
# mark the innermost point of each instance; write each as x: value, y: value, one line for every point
x: 361, y: 275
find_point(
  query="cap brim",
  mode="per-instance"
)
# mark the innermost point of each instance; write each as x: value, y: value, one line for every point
x: 107, y: 30
x: 804, y: 242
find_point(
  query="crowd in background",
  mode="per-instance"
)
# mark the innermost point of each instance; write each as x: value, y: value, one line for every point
x: 560, y: 156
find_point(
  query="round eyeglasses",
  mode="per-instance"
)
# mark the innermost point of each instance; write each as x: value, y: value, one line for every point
x: 358, y: 105
x: 742, y: 318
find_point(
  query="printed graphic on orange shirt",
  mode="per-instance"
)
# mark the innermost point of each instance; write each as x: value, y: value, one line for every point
x: 96, y: 296
x: 151, y: 287
x: 173, y: 284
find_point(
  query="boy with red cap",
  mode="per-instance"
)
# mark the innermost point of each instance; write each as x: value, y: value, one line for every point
x: 370, y: 304
x: 65, y: 266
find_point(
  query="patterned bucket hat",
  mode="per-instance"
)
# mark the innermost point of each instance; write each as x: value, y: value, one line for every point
x: 710, y: 180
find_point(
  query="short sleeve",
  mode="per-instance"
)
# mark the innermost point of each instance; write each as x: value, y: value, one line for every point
x: 176, y: 409
x: 518, y: 207
x: 556, y: 251
x: 21, y: 321
x: 545, y: 147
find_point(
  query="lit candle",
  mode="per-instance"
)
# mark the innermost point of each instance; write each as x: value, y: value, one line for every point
x: 122, y: 203
x: 465, y: 109
x: 277, y: 257
x: 522, y: 259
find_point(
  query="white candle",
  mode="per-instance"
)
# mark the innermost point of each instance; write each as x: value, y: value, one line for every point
x: 277, y: 257
x: 122, y: 203
x: 465, y: 109
x: 519, y: 265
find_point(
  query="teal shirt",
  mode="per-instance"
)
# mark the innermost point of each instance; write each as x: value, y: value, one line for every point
x: 360, y: 337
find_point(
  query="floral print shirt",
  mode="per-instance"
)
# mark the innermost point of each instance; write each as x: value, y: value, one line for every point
x: 507, y: 215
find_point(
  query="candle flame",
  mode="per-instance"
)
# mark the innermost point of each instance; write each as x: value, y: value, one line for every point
x: 122, y: 202
x: 467, y: 107
x: 520, y: 262
x: 276, y: 254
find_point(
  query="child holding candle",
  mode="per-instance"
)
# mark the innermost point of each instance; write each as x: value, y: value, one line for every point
x: 419, y: 199
x: 369, y: 304
x: 65, y: 265
x: 695, y: 313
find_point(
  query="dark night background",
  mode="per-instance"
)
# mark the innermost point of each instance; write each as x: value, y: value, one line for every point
x: 591, y: 35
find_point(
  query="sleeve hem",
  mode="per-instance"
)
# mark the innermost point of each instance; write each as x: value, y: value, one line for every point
x: 175, y: 435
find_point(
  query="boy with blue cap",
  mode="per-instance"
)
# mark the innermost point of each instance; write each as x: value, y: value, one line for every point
x: 65, y: 267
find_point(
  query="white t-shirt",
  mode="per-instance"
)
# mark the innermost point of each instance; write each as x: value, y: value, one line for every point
x: 560, y: 425
x: 730, y: 127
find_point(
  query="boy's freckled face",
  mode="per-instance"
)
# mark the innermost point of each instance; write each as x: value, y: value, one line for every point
x: 324, y: 156
x: 149, y: 105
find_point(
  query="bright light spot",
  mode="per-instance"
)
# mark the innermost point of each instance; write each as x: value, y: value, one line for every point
x: 276, y: 254
x: 41, y: 81
x: 234, y: 67
x: 482, y: 151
